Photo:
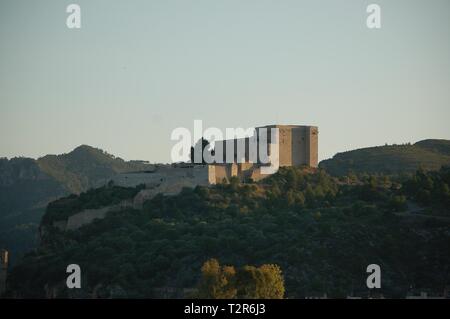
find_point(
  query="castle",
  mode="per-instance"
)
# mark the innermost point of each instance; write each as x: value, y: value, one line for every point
x: 297, y: 146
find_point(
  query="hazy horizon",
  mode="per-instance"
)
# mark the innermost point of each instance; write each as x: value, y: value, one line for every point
x: 137, y: 70
x: 168, y: 162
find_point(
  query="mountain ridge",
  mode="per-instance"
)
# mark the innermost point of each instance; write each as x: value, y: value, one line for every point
x: 85, y: 167
x: 430, y: 154
x: 27, y: 185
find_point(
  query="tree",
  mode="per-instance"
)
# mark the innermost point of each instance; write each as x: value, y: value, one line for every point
x: 398, y: 203
x: 203, y: 144
x: 265, y: 282
x: 234, y: 183
x: 216, y: 281
x: 249, y: 282
x: 272, y: 285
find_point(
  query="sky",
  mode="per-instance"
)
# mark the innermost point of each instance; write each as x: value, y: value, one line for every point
x: 136, y: 70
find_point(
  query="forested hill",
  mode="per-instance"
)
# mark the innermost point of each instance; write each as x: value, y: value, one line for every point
x: 85, y: 167
x: 27, y: 185
x: 390, y: 159
x: 322, y: 231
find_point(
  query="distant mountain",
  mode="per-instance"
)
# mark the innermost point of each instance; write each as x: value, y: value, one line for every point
x: 390, y: 159
x: 28, y: 185
x: 85, y: 167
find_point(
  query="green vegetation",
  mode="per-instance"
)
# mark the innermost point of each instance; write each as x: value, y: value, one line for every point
x: 430, y: 189
x: 92, y: 199
x: 320, y: 230
x: 248, y: 282
x: 217, y: 282
x: 24, y: 193
x: 390, y: 159
x: 28, y: 185
x: 85, y: 167
x: 201, y: 146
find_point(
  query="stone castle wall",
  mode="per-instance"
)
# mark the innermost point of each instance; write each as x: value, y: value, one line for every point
x: 87, y: 216
x: 298, y: 145
x: 194, y: 174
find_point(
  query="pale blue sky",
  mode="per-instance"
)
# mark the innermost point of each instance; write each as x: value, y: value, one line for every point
x: 138, y: 69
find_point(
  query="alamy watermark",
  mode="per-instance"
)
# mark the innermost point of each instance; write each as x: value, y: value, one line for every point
x: 373, y: 20
x: 374, y: 279
x: 239, y: 146
x: 74, y: 279
x: 73, y: 21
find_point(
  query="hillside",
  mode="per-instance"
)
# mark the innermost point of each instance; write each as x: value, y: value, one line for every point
x: 28, y: 185
x: 390, y: 159
x: 24, y: 193
x: 85, y: 167
x: 321, y: 231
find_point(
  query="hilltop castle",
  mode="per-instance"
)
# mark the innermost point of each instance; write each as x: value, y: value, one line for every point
x: 297, y: 146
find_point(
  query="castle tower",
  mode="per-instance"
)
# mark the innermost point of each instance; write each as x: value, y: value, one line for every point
x: 298, y: 144
x: 3, y: 270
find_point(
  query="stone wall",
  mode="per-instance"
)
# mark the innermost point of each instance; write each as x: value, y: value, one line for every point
x: 171, y: 180
x: 87, y: 216
x: 193, y: 174
x: 313, y: 146
x: 298, y: 145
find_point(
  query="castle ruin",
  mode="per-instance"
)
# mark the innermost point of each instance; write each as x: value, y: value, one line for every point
x: 297, y: 146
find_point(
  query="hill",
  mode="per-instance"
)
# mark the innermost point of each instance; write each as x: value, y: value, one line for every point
x: 28, y: 185
x: 390, y: 159
x: 85, y: 167
x: 24, y: 193
x: 321, y: 231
